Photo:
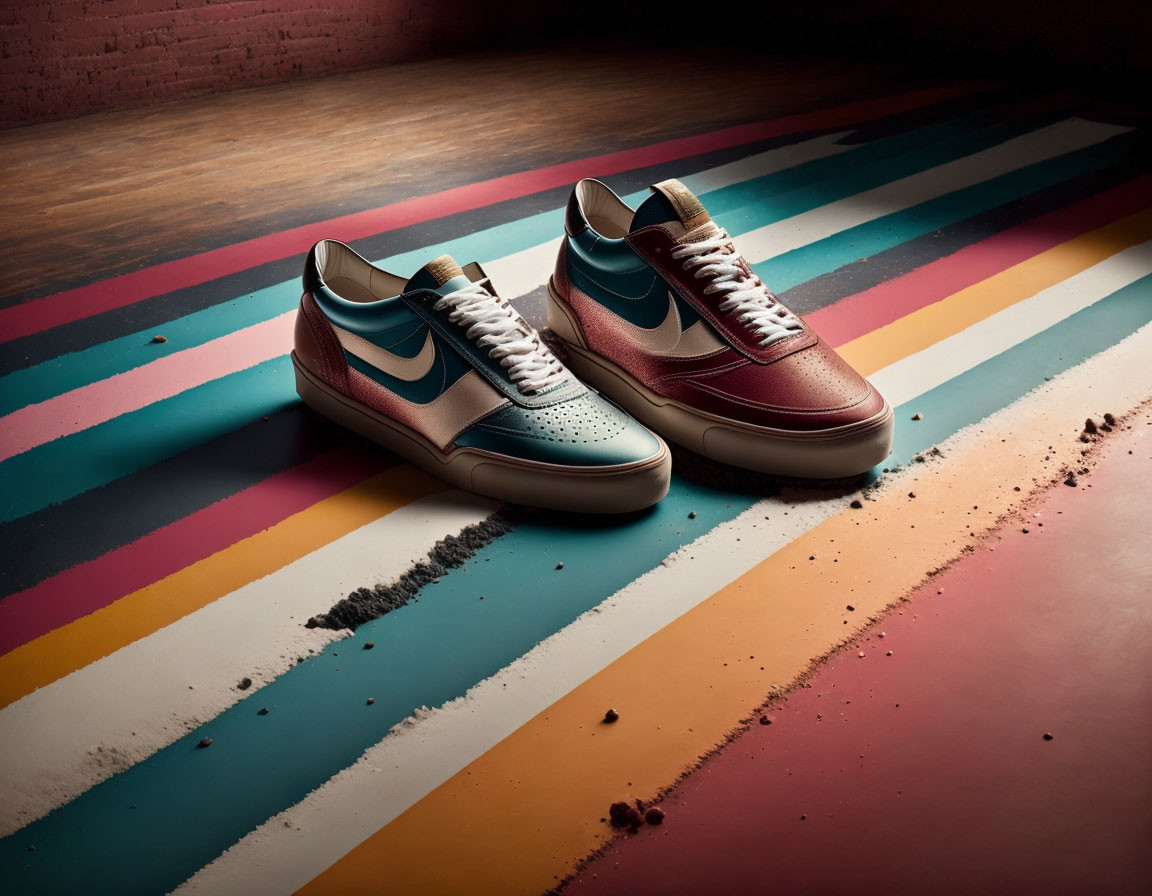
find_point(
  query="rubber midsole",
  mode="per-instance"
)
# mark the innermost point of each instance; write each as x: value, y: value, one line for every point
x: 825, y: 453
x: 615, y: 489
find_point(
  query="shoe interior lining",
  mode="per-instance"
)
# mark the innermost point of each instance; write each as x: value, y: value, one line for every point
x: 605, y: 212
x: 354, y: 278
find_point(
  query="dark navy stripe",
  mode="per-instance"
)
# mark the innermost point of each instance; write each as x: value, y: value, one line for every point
x: 899, y: 260
x: 60, y: 536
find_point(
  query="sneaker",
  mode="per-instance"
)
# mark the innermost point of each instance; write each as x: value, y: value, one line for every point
x: 445, y: 373
x: 659, y: 311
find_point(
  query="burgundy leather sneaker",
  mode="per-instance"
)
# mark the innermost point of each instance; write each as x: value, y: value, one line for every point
x: 660, y: 311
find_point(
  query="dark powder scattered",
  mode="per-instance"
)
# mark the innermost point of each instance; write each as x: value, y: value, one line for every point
x: 366, y: 604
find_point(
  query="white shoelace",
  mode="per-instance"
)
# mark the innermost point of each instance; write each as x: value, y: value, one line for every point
x: 496, y: 326
x: 746, y: 296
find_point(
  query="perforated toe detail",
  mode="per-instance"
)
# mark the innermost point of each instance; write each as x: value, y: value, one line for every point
x: 587, y: 430
x: 581, y: 421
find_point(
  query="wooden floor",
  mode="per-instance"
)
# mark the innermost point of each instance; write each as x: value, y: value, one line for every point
x: 130, y: 188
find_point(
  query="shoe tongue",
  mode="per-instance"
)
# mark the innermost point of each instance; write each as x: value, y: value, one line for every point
x: 435, y: 274
x: 670, y: 201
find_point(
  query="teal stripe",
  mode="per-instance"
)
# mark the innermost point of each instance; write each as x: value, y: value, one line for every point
x: 68, y: 466
x: 795, y: 191
x: 997, y: 382
x: 42, y: 381
x: 847, y: 247
x: 192, y: 804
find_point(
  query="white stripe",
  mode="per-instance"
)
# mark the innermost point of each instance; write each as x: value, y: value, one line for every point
x: 293, y: 847
x: 521, y: 272
x: 809, y: 227
x: 69, y: 735
x: 950, y: 357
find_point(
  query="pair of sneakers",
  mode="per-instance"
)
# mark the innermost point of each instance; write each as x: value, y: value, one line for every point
x: 665, y: 329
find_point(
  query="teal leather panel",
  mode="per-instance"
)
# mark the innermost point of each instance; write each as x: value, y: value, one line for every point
x: 640, y: 297
x: 406, y: 341
x: 363, y: 318
x: 617, y: 257
x: 595, y: 267
x: 585, y: 431
x: 447, y: 368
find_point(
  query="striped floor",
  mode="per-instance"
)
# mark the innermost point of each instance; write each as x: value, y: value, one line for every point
x: 173, y: 516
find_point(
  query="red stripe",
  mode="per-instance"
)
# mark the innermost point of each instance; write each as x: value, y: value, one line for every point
x: 75, y: 304
x: 927, y: 771
x: 866, y: 311
x: 90, y: 586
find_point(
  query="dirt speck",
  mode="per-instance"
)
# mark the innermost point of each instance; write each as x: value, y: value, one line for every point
x: 1090, y: 426
x: 263, y: 711
x: 1110, y: 419
x: 655, y: 815
x: 856, y: 505
x: 764, y: 720
x: 611, y: 716
x: 917, y: 416
x: 1048, y: 735
x: 368, y: 645
x: 560, y: 565
x: 1070, y: 480
x: 369, y: 701
x: 159, y: 340
x: 624, y: 815
x: 204, y: 744
x: 692, y: 514
x: 244, y: 683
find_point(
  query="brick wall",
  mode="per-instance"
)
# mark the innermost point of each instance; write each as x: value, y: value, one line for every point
x: 60, y: 59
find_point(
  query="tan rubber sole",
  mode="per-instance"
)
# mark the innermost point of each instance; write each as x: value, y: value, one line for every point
x: 817, y: 454
x: 617, y: 489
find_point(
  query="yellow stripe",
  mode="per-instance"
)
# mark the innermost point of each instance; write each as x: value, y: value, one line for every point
x: 137, y: 615
x: 927, y: 326
x: 518, y: 818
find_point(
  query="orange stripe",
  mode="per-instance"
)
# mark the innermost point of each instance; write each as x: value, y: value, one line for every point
x: 139, y: 614
x: 928, y: 325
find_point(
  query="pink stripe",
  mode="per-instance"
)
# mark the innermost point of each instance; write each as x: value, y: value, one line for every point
x: 83, y: 589
x: 75, y: 304
x: 866, y: 311
x: 123, y: 393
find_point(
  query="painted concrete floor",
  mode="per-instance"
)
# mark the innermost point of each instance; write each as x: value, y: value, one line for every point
x: 172, y: 516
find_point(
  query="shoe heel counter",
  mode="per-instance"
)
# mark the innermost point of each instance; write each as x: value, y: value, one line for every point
x: 317, y: 346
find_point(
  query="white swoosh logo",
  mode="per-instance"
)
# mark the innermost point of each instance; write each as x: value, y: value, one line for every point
x: 666, y: 340
x: 407, y: 369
